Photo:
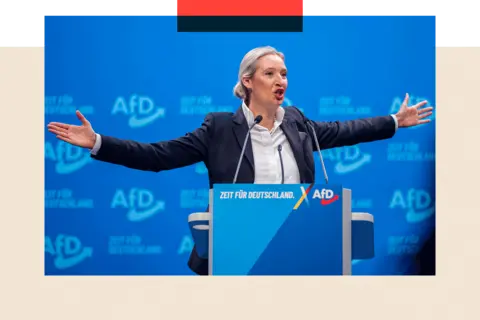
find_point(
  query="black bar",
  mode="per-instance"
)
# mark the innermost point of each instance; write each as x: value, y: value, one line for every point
x: 459, y: 24
x: 240, y: 23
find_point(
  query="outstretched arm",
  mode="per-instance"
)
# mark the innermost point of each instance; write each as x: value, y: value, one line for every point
x: 158, y: 156
x: 163, y: 155
x: 346, y: 133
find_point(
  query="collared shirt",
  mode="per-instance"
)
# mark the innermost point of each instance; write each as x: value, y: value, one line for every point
x: 266, y: 154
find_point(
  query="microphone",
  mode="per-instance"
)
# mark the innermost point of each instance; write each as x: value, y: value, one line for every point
x: 281, y: 161
x: 308, y: 123
x: 256, y: 121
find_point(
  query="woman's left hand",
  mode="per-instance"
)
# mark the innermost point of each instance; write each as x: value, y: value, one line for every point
x: 414, y: 115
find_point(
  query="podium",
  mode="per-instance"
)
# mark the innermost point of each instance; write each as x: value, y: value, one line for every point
x: 278, y: 229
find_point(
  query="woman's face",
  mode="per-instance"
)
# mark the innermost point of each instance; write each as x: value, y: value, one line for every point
x: 269, y: 83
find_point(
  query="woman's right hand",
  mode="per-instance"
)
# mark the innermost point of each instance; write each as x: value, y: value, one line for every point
x: 82, y: 136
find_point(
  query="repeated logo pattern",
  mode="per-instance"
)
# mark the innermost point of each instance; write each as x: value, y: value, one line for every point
x: 106, y: 219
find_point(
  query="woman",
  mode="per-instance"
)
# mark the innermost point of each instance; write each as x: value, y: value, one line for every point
x: 279, y: 149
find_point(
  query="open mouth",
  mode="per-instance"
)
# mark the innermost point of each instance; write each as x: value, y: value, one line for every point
x: 279, y: 93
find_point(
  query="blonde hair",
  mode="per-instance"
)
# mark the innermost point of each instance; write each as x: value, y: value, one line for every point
x: 248, y: 66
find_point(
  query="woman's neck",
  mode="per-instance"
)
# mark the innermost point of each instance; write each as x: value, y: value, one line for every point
x: 268, y: 114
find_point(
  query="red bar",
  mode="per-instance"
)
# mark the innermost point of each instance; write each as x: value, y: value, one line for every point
x: 390, y: 4
x: 239, y: 8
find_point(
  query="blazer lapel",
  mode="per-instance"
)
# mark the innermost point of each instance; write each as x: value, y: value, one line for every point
x: 291, y: 132
x: 240, y: 129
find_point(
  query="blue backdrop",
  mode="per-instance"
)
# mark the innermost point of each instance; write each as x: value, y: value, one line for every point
x: 137, y: 78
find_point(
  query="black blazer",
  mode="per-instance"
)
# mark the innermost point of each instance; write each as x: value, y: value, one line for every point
x: 218, y: 143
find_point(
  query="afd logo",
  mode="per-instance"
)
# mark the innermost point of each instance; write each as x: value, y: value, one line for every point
x: 67, y: 158
x: 417, y: 203
x: 141, y: 203
x: 67, y: 251
x: 326, y: 196
x: 397, y: 103
x: 141, y: 110
x: 186, y: 245
x: 347, y: 159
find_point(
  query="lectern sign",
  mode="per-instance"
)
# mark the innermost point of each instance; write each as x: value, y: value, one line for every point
x: 265, y: 229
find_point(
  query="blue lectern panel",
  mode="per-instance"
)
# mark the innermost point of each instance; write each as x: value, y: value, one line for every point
x: 277, y: 230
